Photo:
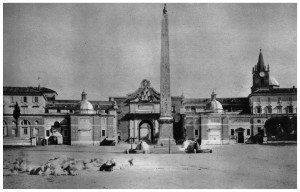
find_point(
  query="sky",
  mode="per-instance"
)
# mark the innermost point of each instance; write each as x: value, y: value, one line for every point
x: 108, y: 49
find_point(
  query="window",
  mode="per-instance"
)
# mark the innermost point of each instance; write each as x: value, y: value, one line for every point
x: 173, y: 109
x: 279, y: 110
x: 232, y: 132
x: 58, y: 110
x: 248, y: 131
x: 46, y: 110
x: 193, y: 108
x: 71, y: 110
x: 12, y: 99
x: 103, y: 132
x: 25, y: 99
x: 290, y: 109
x: 279, y: 100
x: 65, y: 133
x: 48, y: 133
x: 196, y: 132
x: 258, y: 110
x: 25, y: 125
x: 25, y: 122
x: 36, y: 99
x: 262, y: 81
x: 269, y: 110
x: 258, y: 129
x: 258, y: 121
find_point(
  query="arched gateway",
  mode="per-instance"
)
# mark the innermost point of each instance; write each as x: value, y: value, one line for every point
x: 146, y: 131
x: 144, y: 111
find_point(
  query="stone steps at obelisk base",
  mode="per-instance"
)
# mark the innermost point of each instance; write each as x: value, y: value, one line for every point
x: 158, y: 149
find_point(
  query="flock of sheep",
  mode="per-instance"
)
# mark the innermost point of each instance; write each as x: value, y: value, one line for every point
x: 59, y: 166
x: 56, y: 166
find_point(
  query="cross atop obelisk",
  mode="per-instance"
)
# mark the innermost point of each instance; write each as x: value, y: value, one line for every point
x: 166, y: 119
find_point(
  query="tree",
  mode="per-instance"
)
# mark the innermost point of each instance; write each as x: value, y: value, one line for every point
x: 16, y: 115
x: 271, y: 126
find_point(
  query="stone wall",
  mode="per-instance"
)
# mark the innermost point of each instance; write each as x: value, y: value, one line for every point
x: 111, y: 131
x: 97, y: 130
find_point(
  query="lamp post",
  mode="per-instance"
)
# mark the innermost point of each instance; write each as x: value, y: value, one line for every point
x: 131, y: 139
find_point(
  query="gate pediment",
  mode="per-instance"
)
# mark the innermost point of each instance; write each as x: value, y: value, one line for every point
x: 145, y: 93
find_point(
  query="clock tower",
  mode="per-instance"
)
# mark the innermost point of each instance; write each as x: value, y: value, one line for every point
x: 260, y: 75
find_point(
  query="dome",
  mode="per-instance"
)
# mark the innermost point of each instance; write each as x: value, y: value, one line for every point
x: 84, y: 106
x: 273, y: 82
x: 214, y: 106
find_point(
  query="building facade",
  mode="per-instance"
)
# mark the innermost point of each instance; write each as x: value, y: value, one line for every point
x: 75, y: 122
x: 268, y: 109
x: 234, y: 120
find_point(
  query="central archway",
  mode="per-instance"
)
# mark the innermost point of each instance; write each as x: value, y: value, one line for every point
x: 146, y: 131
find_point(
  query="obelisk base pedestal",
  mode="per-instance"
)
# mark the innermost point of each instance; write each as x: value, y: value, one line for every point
x: 166, y: 142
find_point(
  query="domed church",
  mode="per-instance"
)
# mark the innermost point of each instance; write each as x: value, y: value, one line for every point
x: 91, y: 128
x: 214, y: 106
x: 84, y: 106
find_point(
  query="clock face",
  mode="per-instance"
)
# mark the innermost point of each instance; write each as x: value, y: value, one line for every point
x: 262, y: 74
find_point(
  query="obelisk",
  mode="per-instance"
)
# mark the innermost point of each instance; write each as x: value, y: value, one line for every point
x: 166, y: 119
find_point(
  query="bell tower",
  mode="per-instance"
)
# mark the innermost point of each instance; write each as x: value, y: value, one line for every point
x: 260, y: 74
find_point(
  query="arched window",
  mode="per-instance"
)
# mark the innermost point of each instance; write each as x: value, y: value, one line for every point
x: 5, y: 129
x: 25, y: 128
x: 14, y: 126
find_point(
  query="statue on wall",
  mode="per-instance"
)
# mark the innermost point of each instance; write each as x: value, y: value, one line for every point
x: 145, y: 94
